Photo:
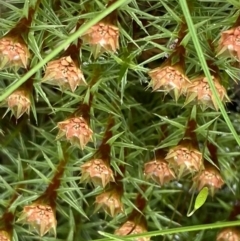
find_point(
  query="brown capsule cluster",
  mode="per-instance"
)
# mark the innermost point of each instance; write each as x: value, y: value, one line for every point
x: 199, y: 91
x: 76, y: 130
x: 169, y: 79
x: 159, y: 171
x: 102, y: 37
x: 132, y: 227
x: 4, y: 236
x: 19, y: 102
x: 64, y: 73
x: 40, y: 217
x: 209, y: 177
x: 184, y: 159
x: 230, y: 42
x: 229, y: 234
x: 110, y: 202
x: 98, y: 172
x: 13, y: 53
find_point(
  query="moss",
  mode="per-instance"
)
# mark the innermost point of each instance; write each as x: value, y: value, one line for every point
x: 132, y: 122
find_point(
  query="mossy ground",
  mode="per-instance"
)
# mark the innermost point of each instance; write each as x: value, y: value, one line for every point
x: 118, y: 85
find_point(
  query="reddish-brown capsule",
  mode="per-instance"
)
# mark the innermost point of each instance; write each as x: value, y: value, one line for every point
x: 169, y: 79
x: 40, y: 217
x: 184, y: 159
x: 64, y: 73
x: 13, y: 53
x: 19, y: 102
x: 228, y: 234
x: 230, y: 42
x: 110, y: 202
x: 102, y: 37
x: 159, y: 171
x: 200, y: 92
x: 4, y: 236
x: 131, y: 227
x: 98, y: 172
x: 209, y: 177
x: 76, y: 130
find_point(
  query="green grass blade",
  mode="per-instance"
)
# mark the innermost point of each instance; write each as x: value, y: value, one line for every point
x: 203, y: 62
x: 61, y: 47
x: 180, y: 230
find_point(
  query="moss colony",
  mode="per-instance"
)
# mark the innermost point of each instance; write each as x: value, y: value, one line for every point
x: 119, y: 120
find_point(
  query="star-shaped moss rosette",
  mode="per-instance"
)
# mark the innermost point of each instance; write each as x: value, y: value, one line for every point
x: 230, y: 43
x: 102, y: 37
x: 184, y: 159
x: 199, y: 92
x: 209, y: 177
x: 110, y: 202
x: 132, y: 227
x: 40, y: 217
x: 14, y: 53
x: 97, y: 171
x: 228, y: 234
x: 4, y: 236
x: 64, y: 73
x: 169, y: 79
x: 159, y: 171
x: 76, y: 130
x: 19, y: 102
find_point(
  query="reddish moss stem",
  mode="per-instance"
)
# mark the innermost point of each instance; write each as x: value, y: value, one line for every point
x: 190, y: 133
x: 73, y: 49
x: 113, y: 16
x: 160, y: 154
x: 214, y: 70
x: 56, y: 5
x: 213, y: 152
x: 237, y: 23
x: 117, y: 185
x: 28, y: 85
x: 7, y: 219
x: 140, y: 200
x: 24, y: 24
x: 179, y: 50
x: 50, y: 195
x: 108, y: 132
x: 105, y: 149
x: 84, y: 109
x: 140, y: 203
x: 235, y: 211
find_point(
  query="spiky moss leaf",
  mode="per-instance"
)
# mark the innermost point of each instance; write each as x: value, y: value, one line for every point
x: 135, y: 118
x: 197, y: 45
x: 69, y: 40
